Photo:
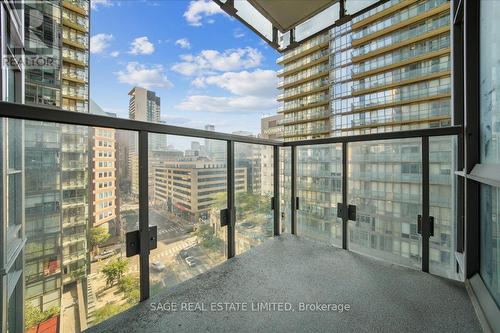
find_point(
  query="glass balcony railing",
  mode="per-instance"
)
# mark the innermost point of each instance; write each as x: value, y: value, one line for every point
x: 304, y: 61
x: 439, y: 87
x: 412, y: 31
x: 323, y: 38
x: 81, y: 4
x: 400, y: 16
x: 305, y: 88
x: 429, y: 46
x: 212, y: 196
x: 377, y: 9
x: 309, y: 115
x: 305, y: 101
x: 422, y: 69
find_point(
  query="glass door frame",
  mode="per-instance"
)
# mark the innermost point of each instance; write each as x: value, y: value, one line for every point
x: 346, y: 211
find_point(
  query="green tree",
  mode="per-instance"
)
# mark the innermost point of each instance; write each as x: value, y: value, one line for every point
x: 207, y: 238
x: 129, y: 285
x: 114, y: 270
x: 35, y: 316
x: 98, y: 236
x: 247, y: 204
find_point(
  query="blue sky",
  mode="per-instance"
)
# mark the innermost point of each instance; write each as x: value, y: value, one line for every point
x: 207, y: 67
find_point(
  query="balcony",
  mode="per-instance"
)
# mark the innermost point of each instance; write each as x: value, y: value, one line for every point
x: 386, y: 231
x: 315, y: 240
x: 288, y: 271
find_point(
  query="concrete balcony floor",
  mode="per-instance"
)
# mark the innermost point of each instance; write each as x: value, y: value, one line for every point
x: 382, y: 297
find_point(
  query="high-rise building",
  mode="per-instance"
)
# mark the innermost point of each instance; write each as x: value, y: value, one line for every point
x: 57, y: 211
x: 270, y: 128
x: 216, y: 150
x: 143, y: 105
x: 306, y: 89
x: 248, y: 156
x: 385, y: 70
x: 104, y: 204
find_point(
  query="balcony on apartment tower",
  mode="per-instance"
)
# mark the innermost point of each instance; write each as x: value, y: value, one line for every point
x: 377, y: 210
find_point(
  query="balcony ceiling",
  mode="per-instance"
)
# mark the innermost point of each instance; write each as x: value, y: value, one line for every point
x: 287, y: 14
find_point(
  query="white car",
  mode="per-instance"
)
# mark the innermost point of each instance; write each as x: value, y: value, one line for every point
x: 104, y: 255
x: 190, y: 261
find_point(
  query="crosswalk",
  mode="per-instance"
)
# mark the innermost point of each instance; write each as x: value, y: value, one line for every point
x: 172, y: 250
x: 171, y: 229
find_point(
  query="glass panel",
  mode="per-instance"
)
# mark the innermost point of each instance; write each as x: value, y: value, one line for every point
x: 15, y: 296
x: 490, y: 239
x: 490, y: 145
x: 318, y: 22
x: 490, y: 82
x: 442, y: 206
x: 253, y: 17
x: 78, y: 208
x: 319, y: 188
x: 115, y: 211
x: 187, y: 190
x: 385, y: 184
x: 285, y: 189
x: 253, y: 193
x: 14, y: 183
x: 354, y: 6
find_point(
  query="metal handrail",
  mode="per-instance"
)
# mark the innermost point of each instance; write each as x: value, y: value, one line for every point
x: 55, y: 115
x: 426, y: 132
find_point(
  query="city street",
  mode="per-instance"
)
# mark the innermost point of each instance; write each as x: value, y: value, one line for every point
x: 176, y: 268
x: 170, y: 227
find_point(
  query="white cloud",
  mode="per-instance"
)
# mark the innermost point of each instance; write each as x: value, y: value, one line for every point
x: 99, y: 43
x: 201, y: 8
x: 141, y: 75
x: 114, y: 54
x: 141, y: 45
x: 232, y: 104
x: 260, y: 83
x: 183, y: 43
x: 251, y: 92
x: 237, y: 33
x: 214, y: 61
x: 94, y: 4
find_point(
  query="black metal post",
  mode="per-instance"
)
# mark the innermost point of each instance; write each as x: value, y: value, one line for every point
x: 276, y: 199
x: 471, y: 93
x: 231, y: 246
x: 345, y: 221
x: 425, y: 204
x: 293, y: 196
x: 458, y: 114
x: 143, y: 215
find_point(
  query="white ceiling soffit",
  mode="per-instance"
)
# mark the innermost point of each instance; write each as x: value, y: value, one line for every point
x: 287, y: 14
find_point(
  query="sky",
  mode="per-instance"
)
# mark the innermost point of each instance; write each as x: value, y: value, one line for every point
x: 207, y: 67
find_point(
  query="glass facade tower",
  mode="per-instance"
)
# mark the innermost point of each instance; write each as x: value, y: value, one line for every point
x: 56, y: 212
x: 386, y: 70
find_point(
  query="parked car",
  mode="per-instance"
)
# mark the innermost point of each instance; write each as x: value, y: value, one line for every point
x: 157, y: 266
x: 190, y: 261
x: 184, y: 253
x: 104, y: 255
x: 248, y: 225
